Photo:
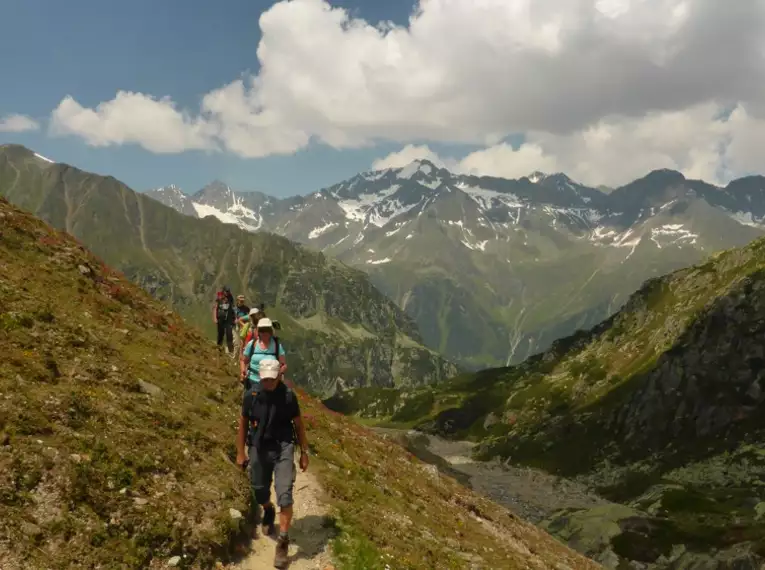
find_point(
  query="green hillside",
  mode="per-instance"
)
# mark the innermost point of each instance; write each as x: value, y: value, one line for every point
x: 117, y: 425
x: 337, y: 326
x: 659, y: 408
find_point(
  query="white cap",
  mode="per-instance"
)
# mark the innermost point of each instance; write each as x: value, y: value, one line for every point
x: 265, y: 324
x: 269, y: 368
x: 254, y: 311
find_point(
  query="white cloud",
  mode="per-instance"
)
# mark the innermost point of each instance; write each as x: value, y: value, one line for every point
x: 155, y: 124
x: 17, y: 124
x: 702, y: 142
x: 560, y: 71
x: 406, y: 155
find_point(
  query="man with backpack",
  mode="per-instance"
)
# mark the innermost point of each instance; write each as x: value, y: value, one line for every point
x: 271, y: 424
x: 263, y: 345
x: 224, y: 316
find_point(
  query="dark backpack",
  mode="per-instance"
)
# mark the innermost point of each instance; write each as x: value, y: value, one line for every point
x: 290, y: 397
x: 225, y: 307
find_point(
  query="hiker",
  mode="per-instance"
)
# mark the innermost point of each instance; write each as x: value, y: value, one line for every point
x: 262, y: 345
x: 270, y: 424
x: 247, y: 332
x: 223, y: 316
x: 242, y: 317
x: 242, y: 312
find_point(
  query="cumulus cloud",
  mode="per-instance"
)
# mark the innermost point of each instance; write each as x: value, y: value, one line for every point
x: 408, y: 154
x: 155, y: 124
x: 470, y: 72
x: 706, y: 142
x: 17, y: 124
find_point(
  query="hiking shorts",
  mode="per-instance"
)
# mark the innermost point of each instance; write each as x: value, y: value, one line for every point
x: 277, y: 465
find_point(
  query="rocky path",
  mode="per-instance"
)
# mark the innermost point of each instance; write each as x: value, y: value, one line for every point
x: 309, y: 537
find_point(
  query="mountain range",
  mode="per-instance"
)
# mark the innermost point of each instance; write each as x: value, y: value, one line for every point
x: 337, y: 327
x: 494, y: 270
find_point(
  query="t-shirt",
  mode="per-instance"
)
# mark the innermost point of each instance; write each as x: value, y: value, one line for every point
x: 255, y: 352
x: 274, y: 412
x: 242, y: 312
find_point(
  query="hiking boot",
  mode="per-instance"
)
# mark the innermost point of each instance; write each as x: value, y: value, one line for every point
x: 269, y: 517
x: 282, y: 549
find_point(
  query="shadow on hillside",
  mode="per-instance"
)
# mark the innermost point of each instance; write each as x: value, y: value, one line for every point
x: 311, y: 535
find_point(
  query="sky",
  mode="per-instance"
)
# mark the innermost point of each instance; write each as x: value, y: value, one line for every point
x: 290, y: 96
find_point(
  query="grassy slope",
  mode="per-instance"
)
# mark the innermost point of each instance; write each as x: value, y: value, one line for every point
x: 580, y: 371
x: 77, y: 428
x: 658, y: 407
x: 95, y: 472
x: 182, y: 260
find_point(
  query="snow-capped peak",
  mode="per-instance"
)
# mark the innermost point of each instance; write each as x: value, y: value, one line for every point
x: 422, y: 166
x: 169, y: 189
x: 537, y: 176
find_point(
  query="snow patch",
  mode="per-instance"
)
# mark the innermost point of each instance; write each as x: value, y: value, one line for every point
x: 44, y: 158
x: 670, y: 234
x: 536, y: 177
x: 203, y: 211
x: 316, y: 232
x: 357, y: 209
x: 384, y: 212
x: 488, y: 199
x: 746, y: 219
x: 481, y: 245
x: 379, y: 261
x: 342, y: 239
x: 432, y: 184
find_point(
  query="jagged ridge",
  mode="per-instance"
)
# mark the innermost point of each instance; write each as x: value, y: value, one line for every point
x: 476, y: 261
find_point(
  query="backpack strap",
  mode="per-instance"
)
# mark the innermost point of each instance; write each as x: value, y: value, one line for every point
x: 289, y: 399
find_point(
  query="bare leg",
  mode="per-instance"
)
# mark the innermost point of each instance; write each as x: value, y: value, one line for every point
x: 285, y: 519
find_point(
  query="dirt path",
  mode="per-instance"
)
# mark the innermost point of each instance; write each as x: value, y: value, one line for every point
x: 308, y: 536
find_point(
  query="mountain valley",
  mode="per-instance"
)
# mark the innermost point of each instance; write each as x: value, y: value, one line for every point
x: 494, y: 270
x: 658, y: 410
x: 117, y: 427
x: 338, y: 328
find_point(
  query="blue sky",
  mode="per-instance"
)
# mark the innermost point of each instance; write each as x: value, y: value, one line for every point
x: 287, y: 97
x: 181, y: 48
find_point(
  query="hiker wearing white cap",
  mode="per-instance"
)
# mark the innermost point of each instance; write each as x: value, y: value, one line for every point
x: 271, y: 424
x: 263, y: 345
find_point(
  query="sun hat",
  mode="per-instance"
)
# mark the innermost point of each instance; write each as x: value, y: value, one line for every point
x: 265, y: 324
x: 269, y: 368
x: 254, y: 311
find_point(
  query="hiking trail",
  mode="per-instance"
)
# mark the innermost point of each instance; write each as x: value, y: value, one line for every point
x: 309, y: 535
